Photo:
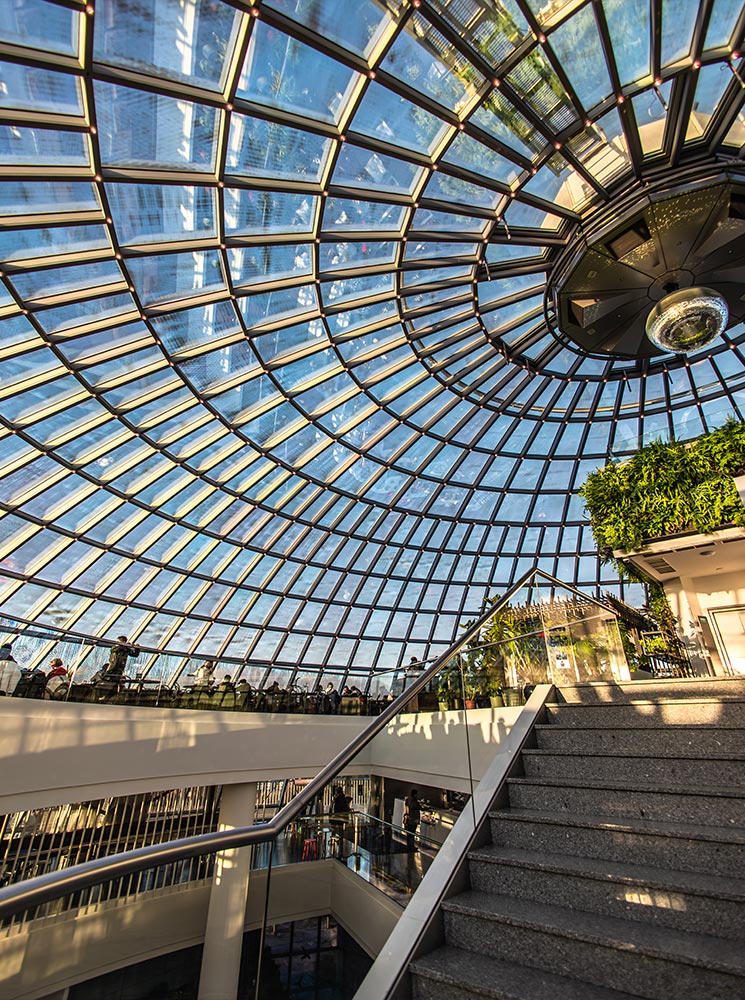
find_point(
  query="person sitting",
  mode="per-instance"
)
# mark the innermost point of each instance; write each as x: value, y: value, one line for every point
x: 226, y: 684
x: 331, y: 699
x: 57, y: 682
x: 204, y: 676
x: 10, y: 672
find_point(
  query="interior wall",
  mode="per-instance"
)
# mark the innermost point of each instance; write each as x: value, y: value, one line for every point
x: 52, y: 753
x: 52, y: 954
x: 692, y: 597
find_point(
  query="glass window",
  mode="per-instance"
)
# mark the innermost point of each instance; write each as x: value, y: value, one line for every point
x: 189, y: 40
x: 281, y: 72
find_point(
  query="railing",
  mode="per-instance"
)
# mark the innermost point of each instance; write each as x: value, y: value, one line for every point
x: 164, y: 673
x: 454, y: 662
x: 383, y: 854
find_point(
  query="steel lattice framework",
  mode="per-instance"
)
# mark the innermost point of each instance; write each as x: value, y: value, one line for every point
x: 279, y: 375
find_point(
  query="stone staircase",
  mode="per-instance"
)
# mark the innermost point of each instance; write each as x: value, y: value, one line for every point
x: 618, y: 870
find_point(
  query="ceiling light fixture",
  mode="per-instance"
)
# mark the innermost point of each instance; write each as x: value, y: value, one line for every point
x: 687, y: 320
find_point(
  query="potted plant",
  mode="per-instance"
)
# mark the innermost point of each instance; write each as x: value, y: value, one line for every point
x: 494, y: 693
x: 444, y: 695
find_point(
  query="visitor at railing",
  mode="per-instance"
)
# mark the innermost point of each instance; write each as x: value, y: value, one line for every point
x: 118, y: 657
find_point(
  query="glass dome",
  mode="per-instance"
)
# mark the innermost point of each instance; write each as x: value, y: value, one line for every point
x: 281, y: 379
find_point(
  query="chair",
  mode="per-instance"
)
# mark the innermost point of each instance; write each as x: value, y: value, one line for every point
x: 22, y: 686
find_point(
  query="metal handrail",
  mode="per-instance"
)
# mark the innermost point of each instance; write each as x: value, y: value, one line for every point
x: 44, y: 888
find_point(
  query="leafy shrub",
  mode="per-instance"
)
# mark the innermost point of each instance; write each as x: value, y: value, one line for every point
x: 666, y: 489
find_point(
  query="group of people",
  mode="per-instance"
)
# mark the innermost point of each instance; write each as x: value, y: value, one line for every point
x: 329, y: 698
x: 54, y: 682
x: 14, y: 680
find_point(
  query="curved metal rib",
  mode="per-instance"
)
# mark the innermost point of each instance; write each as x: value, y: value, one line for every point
x: 35, y: 891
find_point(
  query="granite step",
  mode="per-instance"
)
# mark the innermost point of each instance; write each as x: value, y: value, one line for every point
x: 684, y: 847
x: 453, y: 974
x: 678, y: 687
x: 640, y: 714
x: 656, y: 801
x: 723, y: 770
x: 687, y: 901
x: 611, y: 953
x: 658, y: 741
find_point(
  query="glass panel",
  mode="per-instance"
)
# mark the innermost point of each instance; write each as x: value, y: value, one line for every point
x: 494, y: 37
x: 361, y: 168
x: 602, y: 148
x: 631, y: 45
x: 650, y: 109
x: 384, y: 115
x: 32, y: 146
x: 154, y: 213
x: 253, y: 212
x: 137, y: 128
x: 30, y: 198
x: 176, y: 276
x: 538, y: 85
x: 32, y: 89
x: 278, y: 70
x: 422, y: 59
x: 577, y: 44
x: 37, y: 24
x: 722, y: 22
x: 678, y: 22
x: 259, y: 148
x: 329, y: 19
x: 710, y: 87
x: 190, y: 40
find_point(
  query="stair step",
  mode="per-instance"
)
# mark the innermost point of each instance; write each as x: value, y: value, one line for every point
x: 721, y: 806
x: 691, y: 902
x: 659, y: 741
x: 678, y: 687
x: 639, y: 714
x: 611, y: 953
x: 723, y: 770
x: 681, y: 846
x: 453, y: 974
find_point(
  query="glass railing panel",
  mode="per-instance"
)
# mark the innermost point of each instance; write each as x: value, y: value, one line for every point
x: 545, y: 632
x: 389, y: 857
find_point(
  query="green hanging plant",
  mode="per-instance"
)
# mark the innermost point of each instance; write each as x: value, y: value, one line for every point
x: 667, y: 488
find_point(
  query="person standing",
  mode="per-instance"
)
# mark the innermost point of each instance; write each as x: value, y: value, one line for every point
x: 10, y: 672
x: 412, y: 817
x: 413, y: 670
x: 118, y: 657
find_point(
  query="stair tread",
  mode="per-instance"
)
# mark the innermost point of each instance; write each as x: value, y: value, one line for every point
x: 676, y: 727
x: 733, y: 699
x: 615, y: 932
x: 674, y: 755
x: 713, y: 791
x: 694, y: 883
x: 490, y: 977
x: 689, y: 831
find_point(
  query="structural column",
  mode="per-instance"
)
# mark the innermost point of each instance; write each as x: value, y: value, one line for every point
x: 223, y: 937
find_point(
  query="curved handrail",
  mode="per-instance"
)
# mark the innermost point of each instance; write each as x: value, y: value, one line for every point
x: 43, y: 888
